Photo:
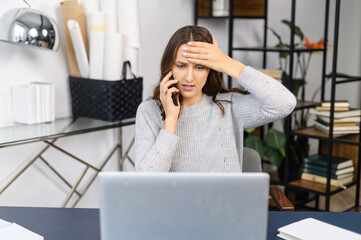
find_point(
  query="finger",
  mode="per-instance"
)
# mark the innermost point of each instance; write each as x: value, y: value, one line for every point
x: 166, y: 78
x: 199, y: 44
x: 214, y: 41
x: 199, y: 62
x: 172, y: 90
x: 196, y: 56
x: 195, y: 50
x: 170, y: 82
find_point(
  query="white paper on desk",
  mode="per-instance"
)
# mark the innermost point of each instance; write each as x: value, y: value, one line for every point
x: 312, y: 229
x: 79, y: 48
x: 24, y: 104
x: 110, y: 7
x: 113, y: 56
x: 129, y: 22
x: 12, y: 231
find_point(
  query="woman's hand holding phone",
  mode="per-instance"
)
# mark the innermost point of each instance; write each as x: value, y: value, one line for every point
x: 167, y: 89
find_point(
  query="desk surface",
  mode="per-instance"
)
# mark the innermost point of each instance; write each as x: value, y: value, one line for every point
x: 61, y: 127
x: 83, y: 224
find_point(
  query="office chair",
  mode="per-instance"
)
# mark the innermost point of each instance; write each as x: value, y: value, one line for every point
x: 252, y: 163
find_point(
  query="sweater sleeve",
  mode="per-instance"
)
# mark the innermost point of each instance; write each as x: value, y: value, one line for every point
x: 268, y: 100
x: 154, y: 149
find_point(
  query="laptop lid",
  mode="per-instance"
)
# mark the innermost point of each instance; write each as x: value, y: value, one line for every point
x: 192, y: 206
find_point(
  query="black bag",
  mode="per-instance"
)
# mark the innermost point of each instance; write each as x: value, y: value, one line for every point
x: 106, y: 100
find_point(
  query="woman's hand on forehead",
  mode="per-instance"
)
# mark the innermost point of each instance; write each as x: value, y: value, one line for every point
x: 209, y: 55
x: 206, y: 54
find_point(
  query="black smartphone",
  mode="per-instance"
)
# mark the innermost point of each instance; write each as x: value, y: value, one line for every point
x: 174, y: 94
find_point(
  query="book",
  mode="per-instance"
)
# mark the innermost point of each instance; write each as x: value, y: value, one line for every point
x: 320, y: 108
x: 337, y: 129
x: 319, y: 179
x: 336, y: 123
x: 341, y: 120
x: 311, y: 228
x: 9, y: 231
x: 24, y: 104
x: 338, y: 103
x: 322, y: 160
x: 313, y: 168
x: 341, y: 114
x: 324, y: 173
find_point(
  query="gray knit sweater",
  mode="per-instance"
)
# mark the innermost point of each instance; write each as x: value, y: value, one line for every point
x: 206, y: 141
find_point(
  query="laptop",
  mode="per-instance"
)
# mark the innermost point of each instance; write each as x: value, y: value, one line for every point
x: 191, y: 206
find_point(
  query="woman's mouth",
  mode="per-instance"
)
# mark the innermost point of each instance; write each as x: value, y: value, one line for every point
x: 187, y: 87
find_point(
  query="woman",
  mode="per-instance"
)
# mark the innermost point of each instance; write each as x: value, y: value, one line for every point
x: 204, y: 133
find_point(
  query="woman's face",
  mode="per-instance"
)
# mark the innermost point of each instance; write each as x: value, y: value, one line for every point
x: 191, y: 78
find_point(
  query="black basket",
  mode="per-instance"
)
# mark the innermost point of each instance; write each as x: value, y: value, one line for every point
x: 106, y: 100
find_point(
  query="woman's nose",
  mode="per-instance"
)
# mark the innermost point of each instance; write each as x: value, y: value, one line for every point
x: 189, y: 76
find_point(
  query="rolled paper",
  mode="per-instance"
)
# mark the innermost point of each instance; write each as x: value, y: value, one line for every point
x: 110, y: 7
x: 130, y: 54
x: 128, y: 21
x: 80, y: 52
x: 90, y: 6
x: 97, y: 21
x: 71, y: 10
x: 112, y: 56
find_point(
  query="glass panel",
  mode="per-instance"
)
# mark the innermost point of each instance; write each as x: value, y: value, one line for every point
x: 61, y: 127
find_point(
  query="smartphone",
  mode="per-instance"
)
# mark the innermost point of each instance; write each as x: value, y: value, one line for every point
x: 174, y: 95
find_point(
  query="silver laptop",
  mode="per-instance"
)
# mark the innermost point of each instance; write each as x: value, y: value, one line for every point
x: 191, y: 206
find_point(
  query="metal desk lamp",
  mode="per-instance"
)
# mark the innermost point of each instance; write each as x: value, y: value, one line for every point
x: 29, y: 27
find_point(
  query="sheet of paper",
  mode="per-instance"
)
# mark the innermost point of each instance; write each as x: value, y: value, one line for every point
x: 313, y: 229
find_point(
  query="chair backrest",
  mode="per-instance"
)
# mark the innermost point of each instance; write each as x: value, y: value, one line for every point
x: 251, y: 160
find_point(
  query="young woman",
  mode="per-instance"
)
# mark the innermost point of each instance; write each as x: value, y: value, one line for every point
x: 204, y: 132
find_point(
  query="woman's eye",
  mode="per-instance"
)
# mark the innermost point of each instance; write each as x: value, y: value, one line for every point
x: 199, y: 67
x: 180, y: 66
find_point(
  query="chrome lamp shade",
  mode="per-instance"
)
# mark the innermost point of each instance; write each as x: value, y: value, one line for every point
x: 29, y: 27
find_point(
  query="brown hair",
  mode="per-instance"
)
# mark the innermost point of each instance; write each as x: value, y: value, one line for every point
x: 214, y: 83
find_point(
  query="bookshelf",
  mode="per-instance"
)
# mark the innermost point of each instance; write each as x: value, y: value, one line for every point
x: 327, y: 142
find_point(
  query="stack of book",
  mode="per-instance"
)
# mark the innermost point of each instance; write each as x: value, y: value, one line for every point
x: 314, y: 168
x: 346, y: 120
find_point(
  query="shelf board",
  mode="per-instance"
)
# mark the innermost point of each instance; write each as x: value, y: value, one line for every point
x: 227, y: 17
x: 275, y: 49
x: 315, y: 187
x: 305, y: 104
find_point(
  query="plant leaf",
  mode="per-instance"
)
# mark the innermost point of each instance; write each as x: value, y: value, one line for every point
x: 275, y: 139
x: 273, y: 155
x: 254, y: 143
x: 249, y: 130
x: 298, y: 31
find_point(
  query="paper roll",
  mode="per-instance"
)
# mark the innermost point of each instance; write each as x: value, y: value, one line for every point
x: 128, y: 21
x: 113, y: 56
x: 71, y: 10
x: 110, y: 7
x: 130, y: 54
x: 90, y: 6
x: 97, y: 21
x: 79, y: 48
x: 96, y: 55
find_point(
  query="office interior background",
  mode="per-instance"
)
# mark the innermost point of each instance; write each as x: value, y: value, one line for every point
x: 159, y: 20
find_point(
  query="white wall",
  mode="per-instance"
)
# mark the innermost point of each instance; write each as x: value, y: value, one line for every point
x: 159, y: 19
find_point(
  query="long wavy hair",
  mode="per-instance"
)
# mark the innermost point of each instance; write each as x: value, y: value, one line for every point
x: 214, y: 83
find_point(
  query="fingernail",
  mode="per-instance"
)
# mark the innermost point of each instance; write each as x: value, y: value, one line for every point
x: 184, y: 54
x: 185, y: 48
x: 189, y: 59
x: 170, y: 71
x: 189, y: 43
